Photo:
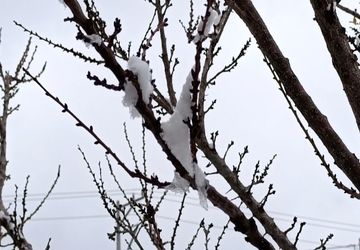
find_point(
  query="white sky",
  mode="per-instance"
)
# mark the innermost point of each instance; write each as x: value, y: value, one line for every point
x: 250, y: 110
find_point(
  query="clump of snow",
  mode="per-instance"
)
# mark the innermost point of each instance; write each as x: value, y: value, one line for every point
x: 93, y: 39
x: 217, y: 19
x: 213, y: 19
x: 331, y: 6
x: 203, y: 32
x: 357, y: 40
x: 176, y: 133
x: 179, y: 184
x: 201, y: 184
x: 130, y: 98
x: 142, y: 71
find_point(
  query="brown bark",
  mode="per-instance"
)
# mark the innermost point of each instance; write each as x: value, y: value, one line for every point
x: 104, y: 51
x: 343, y: 59
x: 259, y: 213
x: 242, y: 224
x: 344, y: 159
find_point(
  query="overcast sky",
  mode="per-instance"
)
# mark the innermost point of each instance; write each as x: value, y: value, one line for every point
x: 250, y: 110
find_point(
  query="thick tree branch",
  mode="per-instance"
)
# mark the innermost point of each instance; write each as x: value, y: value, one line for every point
x: 349, y: 11
x: 344, y: 159
x: 343, y: 59
x: 242, y: 224
x: 255, y: 207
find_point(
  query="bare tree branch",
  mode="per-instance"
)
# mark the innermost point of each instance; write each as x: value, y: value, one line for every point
x: 349, y: 11
x: 343, y: 59
x: 344, y: 159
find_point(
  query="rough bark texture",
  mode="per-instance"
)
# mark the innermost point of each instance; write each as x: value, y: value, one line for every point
x: 343, y: 59
x: 344, y: 159
x: 242, y: 224
x: 259, y: 213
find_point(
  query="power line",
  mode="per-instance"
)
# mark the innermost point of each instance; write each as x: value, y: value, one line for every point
x: 105, y: 216
x: 317, y: 219
x: 93, y: 194
x: 72, y: 217
x: 323, y: 226
x: 70, y: 194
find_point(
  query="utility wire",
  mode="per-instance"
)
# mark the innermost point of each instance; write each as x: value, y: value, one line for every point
x: 355, y: 228
x: 105, y: 216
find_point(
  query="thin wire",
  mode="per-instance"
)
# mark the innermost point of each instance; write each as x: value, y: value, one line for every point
x: 316, y: 219
x: 104, y: 216
x: 92, y: 194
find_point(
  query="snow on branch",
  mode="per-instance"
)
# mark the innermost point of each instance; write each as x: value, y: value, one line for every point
x: 211, y: 19
x: 142, y: 71
x: 93, y: 39
x: 176, y: 133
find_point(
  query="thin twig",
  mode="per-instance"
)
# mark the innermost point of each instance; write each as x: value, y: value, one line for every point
x: 351, y: 191
x: 134, y: 174
x: 177, y: 221
x: 45, y: 197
